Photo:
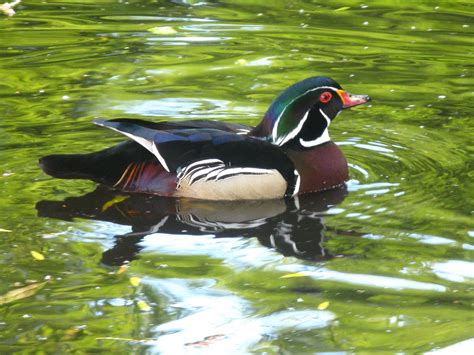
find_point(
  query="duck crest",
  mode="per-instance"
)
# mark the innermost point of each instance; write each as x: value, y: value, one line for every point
x: 288, y: 112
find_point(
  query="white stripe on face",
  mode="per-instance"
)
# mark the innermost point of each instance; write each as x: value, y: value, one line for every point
x: 294, y: 132
x: 322, y: 138
x: 275, y: 127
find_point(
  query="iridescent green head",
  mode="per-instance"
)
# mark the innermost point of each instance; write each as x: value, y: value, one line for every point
x: 300, y: 116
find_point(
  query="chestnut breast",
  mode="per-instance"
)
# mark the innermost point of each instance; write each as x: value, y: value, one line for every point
x: 321, y: 168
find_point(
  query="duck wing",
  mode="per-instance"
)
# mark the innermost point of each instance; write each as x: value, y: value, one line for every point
x: 194, y: 124
x: 207, y: 160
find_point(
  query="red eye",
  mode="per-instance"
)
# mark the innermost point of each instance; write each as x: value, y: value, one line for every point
x: 325, y: 97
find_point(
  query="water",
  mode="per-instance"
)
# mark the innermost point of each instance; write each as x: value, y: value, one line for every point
x: 384, y: 265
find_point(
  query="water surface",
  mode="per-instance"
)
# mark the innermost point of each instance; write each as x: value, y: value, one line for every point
x: 383, y: 265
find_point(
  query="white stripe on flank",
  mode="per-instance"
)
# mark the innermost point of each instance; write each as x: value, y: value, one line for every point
x: 209, y: 170
x: 248, y: 186
x: 241, y: 171
x: 275, y: 127
x: 203, y: 162
x: 297, y: 202
x: 298, y: 183
x: 203, y: 172
x: 321, y: 139
x: 214, y: 173
x: 198, y: 165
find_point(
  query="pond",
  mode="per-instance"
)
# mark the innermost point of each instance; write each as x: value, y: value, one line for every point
x: 383, y: 265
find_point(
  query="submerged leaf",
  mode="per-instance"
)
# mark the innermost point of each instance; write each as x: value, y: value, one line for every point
x: 73, y: 332
x: 5, y: 230
x: 241, y: 61
x: 163, y: 30
x: 36, y: 255
x: 113, y: 201
x: 344, y: 8
x: 122, y: 269
x: 19, y: 293
x: 135, y: 281
x: 323, y: 305
x: 143, y: 306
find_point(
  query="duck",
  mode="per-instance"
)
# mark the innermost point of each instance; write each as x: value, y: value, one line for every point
x: 287, y: 154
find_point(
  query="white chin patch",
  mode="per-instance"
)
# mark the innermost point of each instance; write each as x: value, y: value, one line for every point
x: 323, y: 138
x: 320, y: 140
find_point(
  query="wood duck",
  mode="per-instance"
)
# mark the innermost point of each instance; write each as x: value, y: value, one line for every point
x: 287, y: 154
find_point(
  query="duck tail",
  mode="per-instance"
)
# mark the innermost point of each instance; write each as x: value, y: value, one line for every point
x: 127, y: 166
x: 103, y: 166
x: 68, y: 166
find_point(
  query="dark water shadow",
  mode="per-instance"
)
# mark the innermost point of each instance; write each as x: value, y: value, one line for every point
x: 293, y: 227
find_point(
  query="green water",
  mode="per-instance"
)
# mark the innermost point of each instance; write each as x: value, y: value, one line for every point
x: 385, y: 265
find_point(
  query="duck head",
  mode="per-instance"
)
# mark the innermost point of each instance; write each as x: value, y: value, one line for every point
x: 301, y: 115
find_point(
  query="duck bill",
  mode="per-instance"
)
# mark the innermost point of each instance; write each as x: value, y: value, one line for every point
x: 350, y: 100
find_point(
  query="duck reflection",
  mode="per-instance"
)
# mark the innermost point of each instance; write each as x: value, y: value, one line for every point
x: 293, y: 227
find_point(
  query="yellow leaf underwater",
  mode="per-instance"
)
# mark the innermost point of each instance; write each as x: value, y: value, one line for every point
x: 344, y: 8
x: 36, y: 255
x: 19, y: 293
x: 122, y: 269
x: 113, y: 201
x: 163, y: 30
x: 135, y: 281
x: 73, y: 332
x: 143, y: 306
x: 323, y: 305
x: 289, y: 276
